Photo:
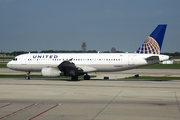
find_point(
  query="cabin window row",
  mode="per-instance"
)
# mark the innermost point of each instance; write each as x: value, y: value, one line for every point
x: 75, y: 59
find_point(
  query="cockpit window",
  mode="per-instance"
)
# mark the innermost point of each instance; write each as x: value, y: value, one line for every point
x: 15, y: 59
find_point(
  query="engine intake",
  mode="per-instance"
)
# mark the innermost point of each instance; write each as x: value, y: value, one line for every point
x: 51, y: 72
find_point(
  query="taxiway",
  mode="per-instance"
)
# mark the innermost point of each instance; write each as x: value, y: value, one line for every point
x: 52, y: 99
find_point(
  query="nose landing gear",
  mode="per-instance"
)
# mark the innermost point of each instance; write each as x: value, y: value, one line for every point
x: 27, y: 77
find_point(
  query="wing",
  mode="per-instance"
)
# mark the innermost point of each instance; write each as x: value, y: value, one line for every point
x: 87, y: 69
x: 70, y: 69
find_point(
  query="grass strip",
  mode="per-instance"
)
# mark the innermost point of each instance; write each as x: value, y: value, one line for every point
x: 162, y: 66
x: 38, y: 76
x: 3, y: 65
x: 1, y: 58
x: 152, y: 78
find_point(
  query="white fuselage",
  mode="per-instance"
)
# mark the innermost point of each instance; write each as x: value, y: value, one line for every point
x: 101, y: 62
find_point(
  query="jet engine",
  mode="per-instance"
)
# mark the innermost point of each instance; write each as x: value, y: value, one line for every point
x: 51, y: 72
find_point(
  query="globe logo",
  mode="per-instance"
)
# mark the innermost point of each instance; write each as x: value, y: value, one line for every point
x: 150, y: 46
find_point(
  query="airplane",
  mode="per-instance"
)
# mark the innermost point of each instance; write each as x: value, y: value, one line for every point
x: 76, y: 64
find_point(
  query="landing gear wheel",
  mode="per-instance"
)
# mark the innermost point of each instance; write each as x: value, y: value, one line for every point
x: 74, y: 78
x: 86, y: 77
x: 27, y: 77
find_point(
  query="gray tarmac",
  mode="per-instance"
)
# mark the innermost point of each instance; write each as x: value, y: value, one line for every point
x: 55, y: 99
x: 114, y: 75
x: 141, y: 72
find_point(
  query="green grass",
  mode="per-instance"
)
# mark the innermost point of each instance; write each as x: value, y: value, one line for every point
x: 6, y: 58
x: 37, y: 76
x: 2, y: 65
x: 176, y: 57
x: 153, y: 78
x: 162, y: 66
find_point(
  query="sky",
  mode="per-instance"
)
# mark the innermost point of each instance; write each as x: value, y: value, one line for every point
x: 36, y: 25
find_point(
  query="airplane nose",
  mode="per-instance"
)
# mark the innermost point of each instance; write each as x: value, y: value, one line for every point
x: 9, y: 65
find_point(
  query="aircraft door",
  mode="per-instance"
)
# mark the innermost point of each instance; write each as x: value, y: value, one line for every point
x: 131, y: 60
x: 23, y: 61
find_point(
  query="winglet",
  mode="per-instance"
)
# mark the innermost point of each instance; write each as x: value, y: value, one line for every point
x: 153, y: 43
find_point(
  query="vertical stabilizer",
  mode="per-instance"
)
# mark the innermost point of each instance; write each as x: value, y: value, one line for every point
x: 153, y: 43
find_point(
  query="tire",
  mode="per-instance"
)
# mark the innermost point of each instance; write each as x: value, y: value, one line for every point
x: 86, y: 77
x: 27, y: 78
x: 74, y: 78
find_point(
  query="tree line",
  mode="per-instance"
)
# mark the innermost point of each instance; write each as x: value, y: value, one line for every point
x: 15, y: 53
x: 172, y: 54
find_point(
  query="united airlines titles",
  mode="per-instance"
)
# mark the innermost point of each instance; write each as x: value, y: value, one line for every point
x: 45, y: 56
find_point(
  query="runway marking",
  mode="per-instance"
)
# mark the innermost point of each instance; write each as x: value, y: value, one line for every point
x: 56, y: 104
x: 6, y: 105
x: 47, y: 103
x: 166, y: 75
x: 107, y: 104
x: 17, y: 111
x: 177, y: 100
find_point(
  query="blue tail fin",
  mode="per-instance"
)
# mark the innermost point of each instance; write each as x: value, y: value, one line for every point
x: 153, y: 43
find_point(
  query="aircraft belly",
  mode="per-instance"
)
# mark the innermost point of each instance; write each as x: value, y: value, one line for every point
x: 108, y: 68
x: 111, y: 68
x: 28, y: 67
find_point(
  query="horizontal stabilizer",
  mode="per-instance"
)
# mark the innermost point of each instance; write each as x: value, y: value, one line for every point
x: 152, y: 58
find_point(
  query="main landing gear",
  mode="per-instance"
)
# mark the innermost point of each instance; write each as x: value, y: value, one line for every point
x: 27, y: 77
x: 75, y: 78
x: 86, y: 77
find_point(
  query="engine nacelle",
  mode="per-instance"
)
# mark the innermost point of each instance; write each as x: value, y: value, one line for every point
x: 51, y: 72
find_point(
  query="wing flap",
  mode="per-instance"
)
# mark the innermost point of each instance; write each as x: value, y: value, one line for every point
x: 87, y: 69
